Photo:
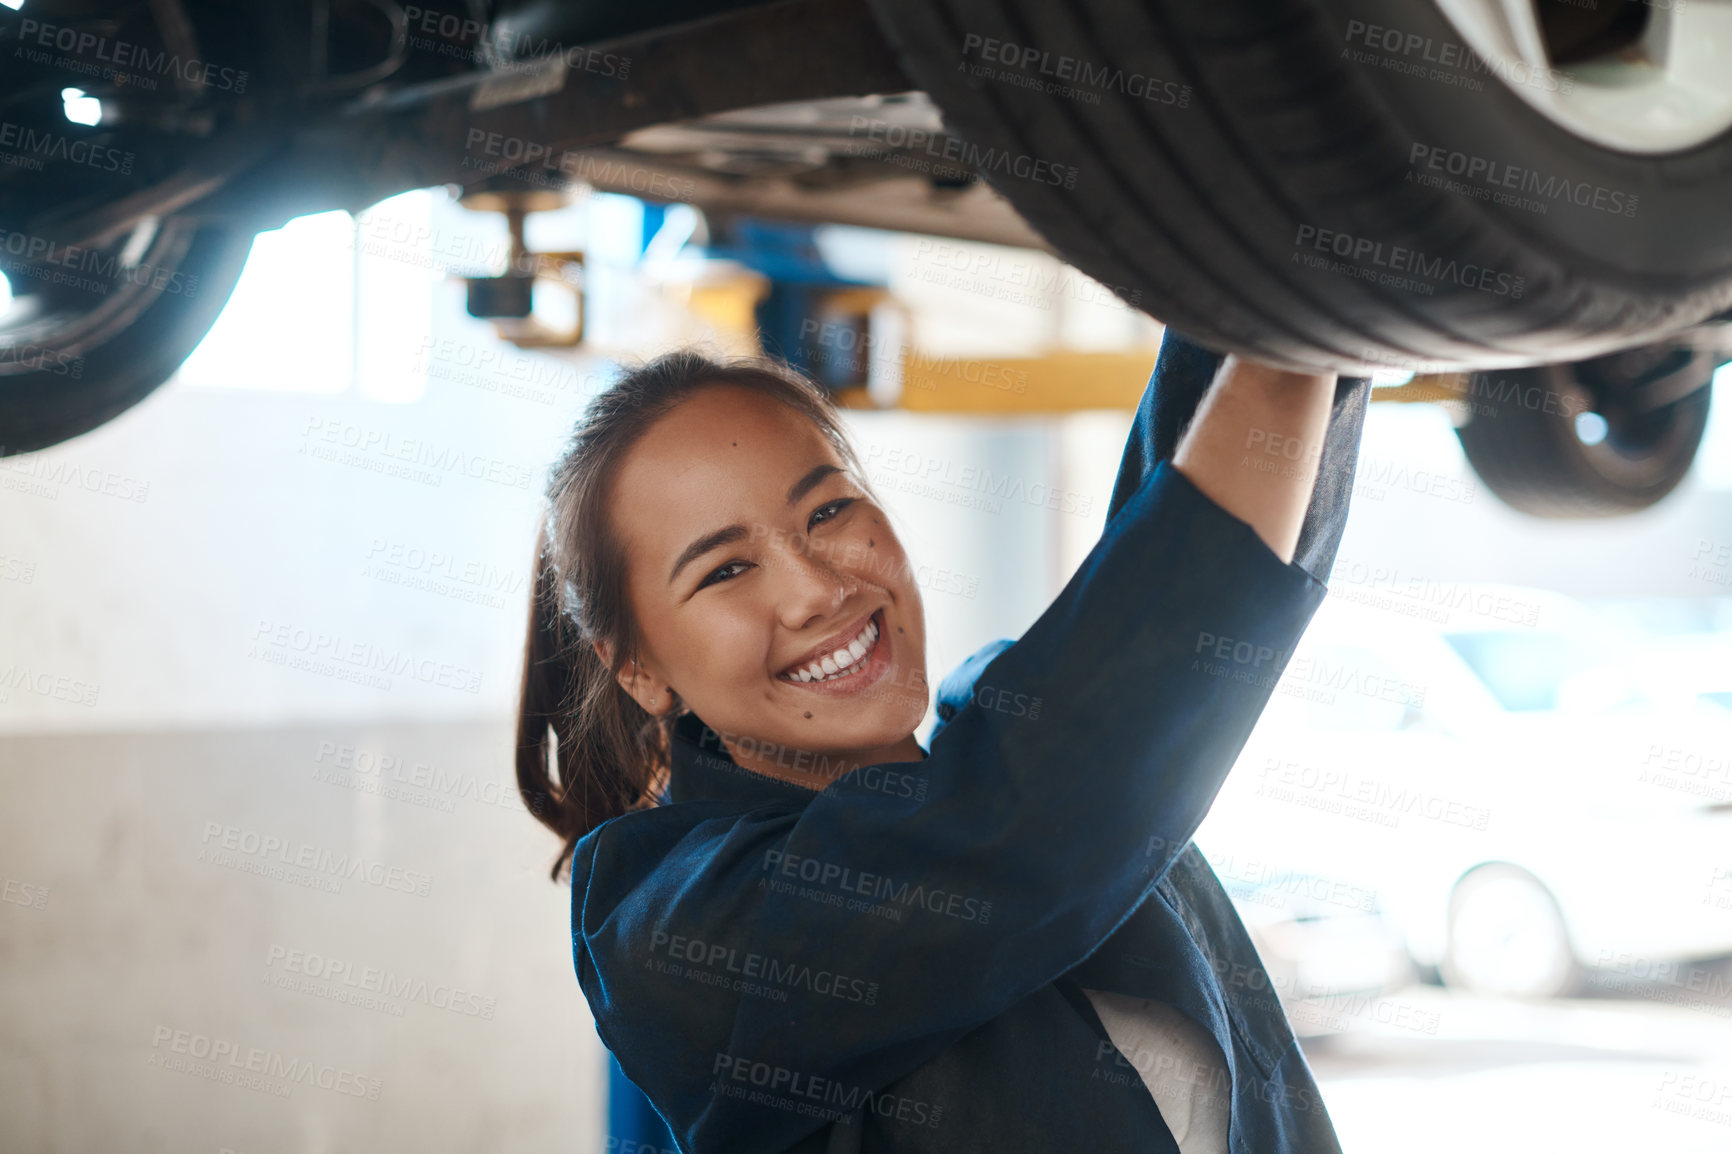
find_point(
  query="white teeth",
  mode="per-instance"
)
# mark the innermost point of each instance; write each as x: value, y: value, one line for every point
x: 841, y: 661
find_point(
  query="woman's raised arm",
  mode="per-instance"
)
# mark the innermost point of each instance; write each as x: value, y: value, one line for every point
x: 1254, y: 445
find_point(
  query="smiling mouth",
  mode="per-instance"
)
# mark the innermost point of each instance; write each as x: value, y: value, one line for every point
x: 842, y: 662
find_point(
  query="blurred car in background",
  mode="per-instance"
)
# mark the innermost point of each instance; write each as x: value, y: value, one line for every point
x: 1329, y: 953
x: 1487, y: 761
x: 1693, y: 674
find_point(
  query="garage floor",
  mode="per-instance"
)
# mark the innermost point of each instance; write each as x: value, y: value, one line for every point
x: 1571, y: 1075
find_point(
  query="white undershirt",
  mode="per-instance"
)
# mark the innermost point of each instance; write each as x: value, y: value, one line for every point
x: 1179, y: 1062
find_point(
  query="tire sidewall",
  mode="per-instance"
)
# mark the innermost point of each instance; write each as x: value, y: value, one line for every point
x: 1674, y: 229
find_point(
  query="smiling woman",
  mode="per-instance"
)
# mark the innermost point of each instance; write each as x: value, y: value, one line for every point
x: 760, y: 554
x: 800, y: 931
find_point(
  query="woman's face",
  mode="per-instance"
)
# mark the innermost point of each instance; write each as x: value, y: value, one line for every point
x: 770, y: 591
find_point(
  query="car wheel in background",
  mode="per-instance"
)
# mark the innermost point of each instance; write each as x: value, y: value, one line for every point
x: 1595, y: 438
x: 1353, y: 184
x: 1507, y: 937
x: 90, y: 332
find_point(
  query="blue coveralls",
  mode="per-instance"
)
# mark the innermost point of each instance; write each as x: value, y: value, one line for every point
x: 895, y: 963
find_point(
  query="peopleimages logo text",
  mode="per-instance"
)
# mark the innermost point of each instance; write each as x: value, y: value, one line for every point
x: 834, y: 876
x: 1000, y: 161
x: 1499, y: 174
x: 46, y: 145
x: 121, y: 54
x: 1075, y: 71
x: 1409, y: 261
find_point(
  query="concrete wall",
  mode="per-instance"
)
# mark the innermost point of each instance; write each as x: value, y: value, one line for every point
x: 321, y: 938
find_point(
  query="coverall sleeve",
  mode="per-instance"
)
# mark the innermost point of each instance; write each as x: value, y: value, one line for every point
x: 760, y: 973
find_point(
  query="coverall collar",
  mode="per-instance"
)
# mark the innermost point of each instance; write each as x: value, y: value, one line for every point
x: 702, y: 769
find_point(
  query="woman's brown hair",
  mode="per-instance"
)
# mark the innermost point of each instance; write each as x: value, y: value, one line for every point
x: 586, y: 750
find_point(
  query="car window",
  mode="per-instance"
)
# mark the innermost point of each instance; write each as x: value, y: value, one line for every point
x: 1528, y: 670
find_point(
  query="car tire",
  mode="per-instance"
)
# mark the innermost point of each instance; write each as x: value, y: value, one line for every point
x: 80, y: 350
x: 1507, y: 937
x: 1239, y: 168
x: 1525, y: 440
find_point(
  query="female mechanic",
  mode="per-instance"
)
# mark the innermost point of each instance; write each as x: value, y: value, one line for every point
x: 800, y: 931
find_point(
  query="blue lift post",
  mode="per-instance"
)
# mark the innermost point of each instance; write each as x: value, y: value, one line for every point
x: 792, y: 319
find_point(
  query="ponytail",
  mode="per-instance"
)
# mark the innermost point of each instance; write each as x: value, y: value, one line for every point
x: 576, y: 725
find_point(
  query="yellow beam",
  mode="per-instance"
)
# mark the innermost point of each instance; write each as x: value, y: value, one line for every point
x: 1055, y: 383
x: 1424, y: 388
x: 1068, y: 381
